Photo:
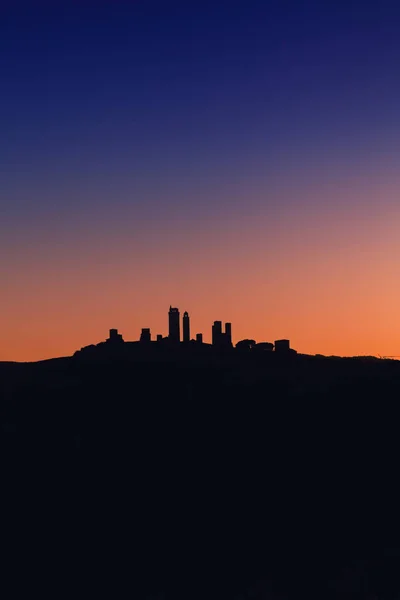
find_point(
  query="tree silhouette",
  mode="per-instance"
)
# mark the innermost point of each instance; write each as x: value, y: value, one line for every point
x: 246, y: 344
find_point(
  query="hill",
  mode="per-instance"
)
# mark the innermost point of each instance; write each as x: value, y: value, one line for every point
x: 208, y: 476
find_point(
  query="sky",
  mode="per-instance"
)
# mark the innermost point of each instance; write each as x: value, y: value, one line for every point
x: 237, y: 159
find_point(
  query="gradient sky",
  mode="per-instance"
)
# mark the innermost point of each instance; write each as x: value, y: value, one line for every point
x: 237, y: 159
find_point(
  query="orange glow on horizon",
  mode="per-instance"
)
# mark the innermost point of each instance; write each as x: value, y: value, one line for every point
x: 326, y: 282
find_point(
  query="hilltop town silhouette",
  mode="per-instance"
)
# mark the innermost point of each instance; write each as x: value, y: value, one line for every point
x: 221, y: 340
x: 171, y: 468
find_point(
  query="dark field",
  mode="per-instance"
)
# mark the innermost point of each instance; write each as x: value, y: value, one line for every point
x: 203, y: 477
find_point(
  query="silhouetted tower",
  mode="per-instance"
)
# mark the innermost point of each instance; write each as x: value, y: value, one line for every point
x: 282, y: 346
x: 145, y: 335
x: 228, y: 334
x: 115, y: 337
x: 186, y: 327
x: 199, y: 338
x: 174, y: 328
x: 217, y: 333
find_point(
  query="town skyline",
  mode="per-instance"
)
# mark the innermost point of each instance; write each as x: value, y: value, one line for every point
x: 161, y: 330
x: 179, y: 336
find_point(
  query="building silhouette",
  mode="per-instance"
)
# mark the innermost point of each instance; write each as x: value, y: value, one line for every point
x: 115, y: 337
x: 186, y: 327
x: 217, y: 334
x: 228, y: 334
x: 282, y: 346
x: 174, y: 326
x: 221, y: 339
x: 145, y: 336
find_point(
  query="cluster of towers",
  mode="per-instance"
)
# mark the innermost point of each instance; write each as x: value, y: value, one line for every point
x: 174, y: 329
x: 219, y: 338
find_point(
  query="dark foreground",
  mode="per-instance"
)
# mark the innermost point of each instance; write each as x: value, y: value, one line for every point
x: 217, y: 478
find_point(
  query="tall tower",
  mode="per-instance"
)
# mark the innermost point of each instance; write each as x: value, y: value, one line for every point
x: 145, y: 336
x: 228, y: 334
x: 217, y: 333
x: 186, y: 327
x: 174, y: 328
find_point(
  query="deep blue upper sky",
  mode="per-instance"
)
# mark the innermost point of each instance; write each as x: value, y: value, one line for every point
x: 169, y: 95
